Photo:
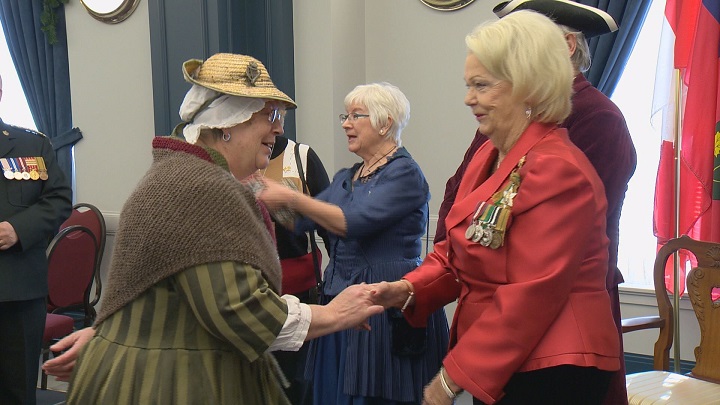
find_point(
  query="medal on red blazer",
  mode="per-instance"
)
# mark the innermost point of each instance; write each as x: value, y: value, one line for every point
x: 473, y: 231
x: 490, y: 220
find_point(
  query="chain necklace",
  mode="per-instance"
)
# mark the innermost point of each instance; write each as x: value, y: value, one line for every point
x: 496, y: 166
x: 368, y: 171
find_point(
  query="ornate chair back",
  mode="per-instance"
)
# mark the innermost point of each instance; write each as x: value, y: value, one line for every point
x: 703, y: 284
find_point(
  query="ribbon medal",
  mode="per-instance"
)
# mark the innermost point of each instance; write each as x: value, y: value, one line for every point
x: 7, y: 169
x: 25, y: 173
x: 17, y: 174
x: 23, y: 168
x: 32, y: 166
x: 490, y: 220
x: 41, y: 168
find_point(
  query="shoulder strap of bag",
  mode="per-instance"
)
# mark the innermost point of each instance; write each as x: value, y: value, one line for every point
x: 313, y: 243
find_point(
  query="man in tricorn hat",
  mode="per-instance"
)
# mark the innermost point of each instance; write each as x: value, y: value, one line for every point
x: 596, y: 126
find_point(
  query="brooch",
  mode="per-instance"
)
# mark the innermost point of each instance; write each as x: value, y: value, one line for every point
x: 252, y: 73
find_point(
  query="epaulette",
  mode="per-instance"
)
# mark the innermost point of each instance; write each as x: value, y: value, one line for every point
x: 28, y: 130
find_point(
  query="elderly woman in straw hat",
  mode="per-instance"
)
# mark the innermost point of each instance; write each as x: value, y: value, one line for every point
x: 526, y: 251
x: 193, y: 304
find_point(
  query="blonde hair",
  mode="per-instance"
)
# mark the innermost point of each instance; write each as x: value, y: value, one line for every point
x: 528, y: 50
x: 383, y: 100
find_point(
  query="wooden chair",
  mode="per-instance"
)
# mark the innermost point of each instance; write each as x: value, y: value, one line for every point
x: 702, y: 384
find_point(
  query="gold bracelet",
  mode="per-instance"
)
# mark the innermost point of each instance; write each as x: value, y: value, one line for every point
x: 407, y: 302
x: 445, y: 385
x: 411, y: 294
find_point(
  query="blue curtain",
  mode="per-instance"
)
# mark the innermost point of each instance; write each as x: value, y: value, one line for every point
x: 610, y: 52
x: 44, y: 73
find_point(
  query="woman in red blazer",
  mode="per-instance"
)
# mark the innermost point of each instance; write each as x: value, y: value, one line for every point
x: 526, y: 251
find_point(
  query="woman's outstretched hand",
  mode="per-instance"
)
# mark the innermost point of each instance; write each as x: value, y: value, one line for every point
x: 62, y: 366
x: 391, y: 294
x: 349, y: 309
x: 277, y: 196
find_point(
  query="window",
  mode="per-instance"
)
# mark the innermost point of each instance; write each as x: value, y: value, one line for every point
x: 634, y: 97
x: 13, y: 106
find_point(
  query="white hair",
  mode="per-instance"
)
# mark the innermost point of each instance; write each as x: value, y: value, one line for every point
x: 383, y: 100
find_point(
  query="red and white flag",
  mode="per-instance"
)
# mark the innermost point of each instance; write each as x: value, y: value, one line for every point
x: 690, y: 43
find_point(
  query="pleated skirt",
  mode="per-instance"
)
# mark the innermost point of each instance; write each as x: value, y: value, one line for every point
x: 358, y: 367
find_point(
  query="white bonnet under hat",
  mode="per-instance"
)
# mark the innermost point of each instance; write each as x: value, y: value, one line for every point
x: 224, y: 111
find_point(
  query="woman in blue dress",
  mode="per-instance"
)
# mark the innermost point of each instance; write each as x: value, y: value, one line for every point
x: 376, y: 213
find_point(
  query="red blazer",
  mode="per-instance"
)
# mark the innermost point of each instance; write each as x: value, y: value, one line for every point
x: 540, y: 299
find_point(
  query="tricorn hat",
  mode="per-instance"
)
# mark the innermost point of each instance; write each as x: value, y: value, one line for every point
x: 588, y: 20
x: 236, y: 75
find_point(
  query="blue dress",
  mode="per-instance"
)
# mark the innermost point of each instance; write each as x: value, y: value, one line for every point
x: 386, y: 216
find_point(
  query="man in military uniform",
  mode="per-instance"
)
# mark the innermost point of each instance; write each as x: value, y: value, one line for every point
x: 35, y: 198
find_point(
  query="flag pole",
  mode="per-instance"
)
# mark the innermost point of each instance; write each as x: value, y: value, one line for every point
x: 676, y: 220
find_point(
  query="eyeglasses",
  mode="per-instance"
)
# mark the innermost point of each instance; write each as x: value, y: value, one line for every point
x: 276, y: 114
x: 352, y: 117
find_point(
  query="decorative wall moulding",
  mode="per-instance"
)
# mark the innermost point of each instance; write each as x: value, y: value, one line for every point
x: 446, y: 5
x: 110, y: 11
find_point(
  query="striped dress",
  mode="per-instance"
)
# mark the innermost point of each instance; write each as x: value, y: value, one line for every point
x: 197, y: 337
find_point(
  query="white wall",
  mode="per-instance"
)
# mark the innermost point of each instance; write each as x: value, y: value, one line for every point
x: 329, y: 61
x: 111, y: 88
x: 641, y: 303
x: 338, y: 44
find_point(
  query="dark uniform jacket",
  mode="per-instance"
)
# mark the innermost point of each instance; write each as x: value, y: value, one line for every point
x: 35, y: 208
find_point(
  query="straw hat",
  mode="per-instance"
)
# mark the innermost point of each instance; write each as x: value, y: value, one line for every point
x: 590, y: 21
x: 236, y: 75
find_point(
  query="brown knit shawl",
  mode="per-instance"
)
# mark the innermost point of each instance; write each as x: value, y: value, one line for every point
x: 186, y: 211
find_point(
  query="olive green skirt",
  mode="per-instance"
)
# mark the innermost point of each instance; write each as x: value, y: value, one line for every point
x: 155, y: 351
